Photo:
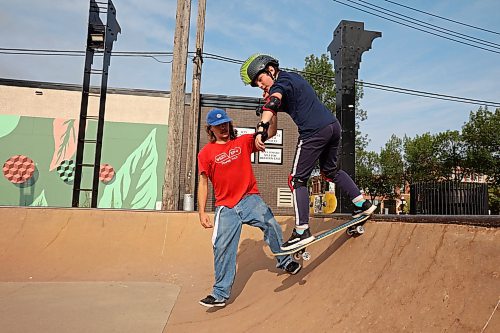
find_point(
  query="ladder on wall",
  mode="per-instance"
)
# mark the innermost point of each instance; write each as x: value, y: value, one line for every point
x: 100, y: 40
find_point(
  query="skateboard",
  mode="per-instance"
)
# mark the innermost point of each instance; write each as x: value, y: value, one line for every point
x: 354, y: 228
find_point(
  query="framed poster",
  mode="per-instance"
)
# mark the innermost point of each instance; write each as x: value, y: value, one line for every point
x: 277, y: 139
x: 246, y: 130
x: 271, y: 156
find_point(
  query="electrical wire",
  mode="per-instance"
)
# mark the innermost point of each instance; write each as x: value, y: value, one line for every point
x: 443, y: 18
x: 417, y: 27
x: 432, y: 26
x: 378, y: 86
x: 212, y: 56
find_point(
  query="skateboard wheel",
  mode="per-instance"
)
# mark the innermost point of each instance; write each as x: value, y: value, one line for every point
x: 306, y: 256
x: 355, y: 231
x: 297, y: 255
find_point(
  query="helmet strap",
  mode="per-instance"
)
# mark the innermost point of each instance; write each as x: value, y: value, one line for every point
x: 274, y: 77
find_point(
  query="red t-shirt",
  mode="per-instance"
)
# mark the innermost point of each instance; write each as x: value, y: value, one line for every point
x: 229, y: 168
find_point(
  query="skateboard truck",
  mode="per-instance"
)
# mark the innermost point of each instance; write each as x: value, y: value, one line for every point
x: 355, y: 230
x: 302, y: 254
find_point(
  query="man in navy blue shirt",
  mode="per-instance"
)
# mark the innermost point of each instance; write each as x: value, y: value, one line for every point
x: 319, y: 138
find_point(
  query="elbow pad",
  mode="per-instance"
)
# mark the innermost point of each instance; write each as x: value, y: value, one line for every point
x: 273, y: 104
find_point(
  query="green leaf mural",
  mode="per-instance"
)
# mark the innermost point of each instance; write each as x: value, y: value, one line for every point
x: 135, y: 185
x: 65, y: 139
x: 8, y: 123
x: 41, y: 201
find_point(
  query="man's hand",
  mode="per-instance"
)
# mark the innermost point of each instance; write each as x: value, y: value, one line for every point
x: 205, y: 220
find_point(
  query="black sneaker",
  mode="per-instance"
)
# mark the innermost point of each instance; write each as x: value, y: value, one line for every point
x: 210, y: 302
x: 367, y: 209
x: 297, y: 240
x: 293, y: 267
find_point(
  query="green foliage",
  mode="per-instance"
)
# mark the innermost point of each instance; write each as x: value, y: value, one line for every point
x: 368, y: 175
x: 320, y: 74
x: 391, y: 164
x: 421, y: 162
x: 362, y: 140
x: 450, y: 155
x: 481, y: 135
x: 494, y: 199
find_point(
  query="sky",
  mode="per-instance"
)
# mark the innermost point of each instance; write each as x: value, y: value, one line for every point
x: 290, y: 30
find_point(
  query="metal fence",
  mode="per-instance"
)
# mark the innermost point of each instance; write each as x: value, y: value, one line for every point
x: 449, y: 198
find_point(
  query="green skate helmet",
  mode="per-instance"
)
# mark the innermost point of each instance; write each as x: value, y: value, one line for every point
x: 255, y: 65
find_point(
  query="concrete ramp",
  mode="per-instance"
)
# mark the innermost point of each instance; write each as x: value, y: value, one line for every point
x: 397, y: 277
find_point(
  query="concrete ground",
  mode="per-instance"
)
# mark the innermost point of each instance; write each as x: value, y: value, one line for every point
x: 85, y: 270
x: 53, y: 307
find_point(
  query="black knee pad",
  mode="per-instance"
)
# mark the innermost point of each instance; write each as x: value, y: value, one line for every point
x: 329, y: 177
x: 294, y: 182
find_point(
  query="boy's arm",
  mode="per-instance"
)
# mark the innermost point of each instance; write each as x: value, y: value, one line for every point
x: 202, y: 201
x: 269, y: 111
x: 273, y: 126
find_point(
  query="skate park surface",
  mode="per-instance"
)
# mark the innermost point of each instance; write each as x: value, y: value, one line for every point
x: 87, y: 270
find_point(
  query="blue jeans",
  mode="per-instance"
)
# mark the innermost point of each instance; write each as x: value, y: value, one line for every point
x: 250, y: 210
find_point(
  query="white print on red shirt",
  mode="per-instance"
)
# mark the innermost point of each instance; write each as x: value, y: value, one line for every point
x: 224, y: 158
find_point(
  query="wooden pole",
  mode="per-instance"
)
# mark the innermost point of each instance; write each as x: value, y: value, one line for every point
x: 170, y: 193
x: 190, y: 176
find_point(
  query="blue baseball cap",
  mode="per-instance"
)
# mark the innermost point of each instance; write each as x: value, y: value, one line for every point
x: 217, y: 116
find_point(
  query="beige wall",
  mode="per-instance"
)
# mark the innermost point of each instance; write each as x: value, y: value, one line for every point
x: 55, y: 103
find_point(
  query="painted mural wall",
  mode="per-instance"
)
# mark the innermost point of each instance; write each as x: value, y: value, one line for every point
x: 38, y: 159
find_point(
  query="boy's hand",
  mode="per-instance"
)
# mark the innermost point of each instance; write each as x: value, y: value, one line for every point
x: 259, y: 144
x: 205, y: 220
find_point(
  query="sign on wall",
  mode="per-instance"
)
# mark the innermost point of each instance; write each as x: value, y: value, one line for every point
x: 271, y: 156
x: 277, y: 139
x: 246, y: 130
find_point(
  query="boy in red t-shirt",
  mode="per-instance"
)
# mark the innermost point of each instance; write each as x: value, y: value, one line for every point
x: 226, y: 162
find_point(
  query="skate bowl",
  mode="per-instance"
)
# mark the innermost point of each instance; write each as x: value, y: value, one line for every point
x: 147, y: 270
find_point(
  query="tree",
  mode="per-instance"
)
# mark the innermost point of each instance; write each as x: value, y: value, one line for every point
x: 361, y: 115
x: 368, y: 175
x: 494, y: 199
x: 391, y: 164
x: 481, y: 135
x: 320, y: 74
x: 420, y: 157
x: 450, y: 155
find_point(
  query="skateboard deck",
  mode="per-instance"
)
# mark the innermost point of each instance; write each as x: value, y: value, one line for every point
x: 353, y: 227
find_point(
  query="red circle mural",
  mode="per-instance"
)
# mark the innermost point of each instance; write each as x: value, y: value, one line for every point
x: 106, y: 173
x: 18, y: 169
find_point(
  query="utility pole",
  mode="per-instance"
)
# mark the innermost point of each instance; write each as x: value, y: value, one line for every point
x: 194, y: 115
x: 350, y: 41
x: 170, y: 193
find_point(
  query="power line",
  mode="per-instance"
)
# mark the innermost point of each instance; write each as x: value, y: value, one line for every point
x: 434, y: 27
x: 417, y: 27
x: 81, y: 52
x: 154, y: 54
x: 429, y: 95
x: 443, y: 18
x: 380, y: 86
